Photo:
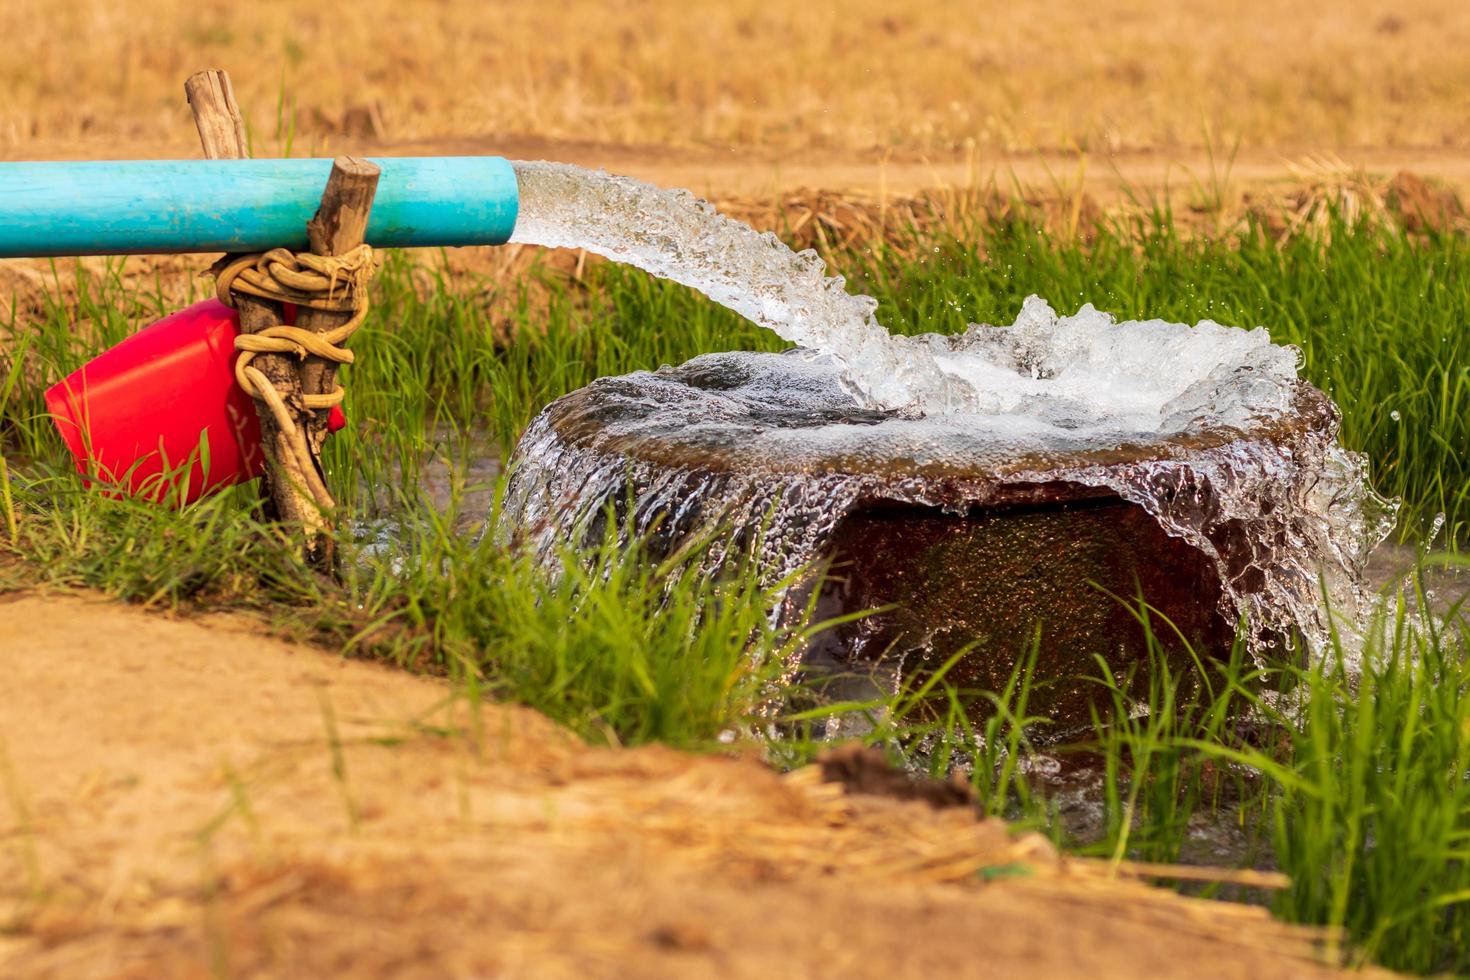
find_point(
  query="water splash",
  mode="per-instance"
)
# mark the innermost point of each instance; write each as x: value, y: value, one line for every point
x: 773, y: 441
x: 674, y: 235
x: 1206, y: 427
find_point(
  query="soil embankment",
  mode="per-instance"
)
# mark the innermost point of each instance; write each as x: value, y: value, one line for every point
x: 188, y: 796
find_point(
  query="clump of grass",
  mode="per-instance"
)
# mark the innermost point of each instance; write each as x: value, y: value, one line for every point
x: 1351, y: 775
x: 1371, y: 817
x: 212, y: 551
x: 616, y: 644
x: 613, y: 641
x: 1378, y: 317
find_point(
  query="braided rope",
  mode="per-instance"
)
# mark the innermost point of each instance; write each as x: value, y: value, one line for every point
x: 305, y: 280
x: 322, y: 282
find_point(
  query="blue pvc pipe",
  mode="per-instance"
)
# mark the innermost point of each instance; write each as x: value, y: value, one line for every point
x: 144, y: 206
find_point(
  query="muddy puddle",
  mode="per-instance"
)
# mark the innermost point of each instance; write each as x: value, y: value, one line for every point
x: 453, y: 483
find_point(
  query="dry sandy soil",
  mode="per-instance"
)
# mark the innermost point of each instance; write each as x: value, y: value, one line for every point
x: 188, y: 798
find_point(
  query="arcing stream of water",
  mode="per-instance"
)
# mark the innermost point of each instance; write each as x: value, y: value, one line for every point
x: 1279, y: 508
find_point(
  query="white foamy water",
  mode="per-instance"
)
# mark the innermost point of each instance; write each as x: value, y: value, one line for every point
x: 676, y: 236
x: 1279, y: 508
x: 1080, y: 372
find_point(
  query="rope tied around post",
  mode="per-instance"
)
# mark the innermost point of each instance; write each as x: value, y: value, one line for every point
x: 336, y: 283
x: 321, y: 282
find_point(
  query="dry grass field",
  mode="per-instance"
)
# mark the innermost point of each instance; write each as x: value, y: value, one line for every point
x: 909, y: 80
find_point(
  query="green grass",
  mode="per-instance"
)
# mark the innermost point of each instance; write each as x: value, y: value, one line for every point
x: 1377, y: 758
x: 1353, y: 782
x: 623, y: 650
x: 1361, y: 796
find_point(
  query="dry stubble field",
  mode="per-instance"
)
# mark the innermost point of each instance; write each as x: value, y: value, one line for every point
x: 856, y: 77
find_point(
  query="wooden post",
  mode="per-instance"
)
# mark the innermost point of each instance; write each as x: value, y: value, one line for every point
x: 222, y: 132
x: 339, y: 226
x: 217, y: 115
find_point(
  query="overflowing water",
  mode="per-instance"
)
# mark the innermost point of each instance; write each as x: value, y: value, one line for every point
x: 1206, y: 427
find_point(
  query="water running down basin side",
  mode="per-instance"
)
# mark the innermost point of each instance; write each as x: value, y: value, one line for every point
x: 1206, y: 429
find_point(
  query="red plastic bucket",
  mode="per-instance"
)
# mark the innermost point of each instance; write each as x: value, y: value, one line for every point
x: 163, y: 407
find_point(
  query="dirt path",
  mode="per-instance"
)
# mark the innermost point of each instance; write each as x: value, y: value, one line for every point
x: 174, y: 806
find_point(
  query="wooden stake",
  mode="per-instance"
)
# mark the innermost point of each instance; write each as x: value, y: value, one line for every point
x: 222, y: 133
x: 217, y: 115
x: 339, y: 226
